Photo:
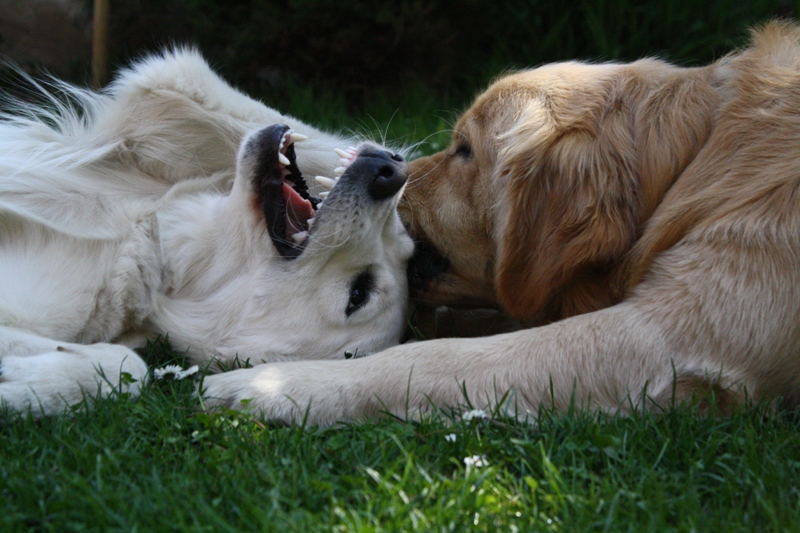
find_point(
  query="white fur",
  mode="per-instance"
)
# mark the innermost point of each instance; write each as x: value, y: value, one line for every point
x: 128, y: 215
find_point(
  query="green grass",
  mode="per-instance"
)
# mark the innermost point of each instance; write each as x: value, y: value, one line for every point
x: 160, y: 463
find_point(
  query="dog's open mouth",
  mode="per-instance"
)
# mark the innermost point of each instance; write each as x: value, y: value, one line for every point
x: 289, y: 210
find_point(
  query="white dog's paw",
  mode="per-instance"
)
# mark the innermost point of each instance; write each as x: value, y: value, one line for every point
x: 48, y: 382
x: 283, y: 392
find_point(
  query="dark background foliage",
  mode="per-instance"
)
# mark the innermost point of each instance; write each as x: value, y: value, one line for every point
x: 451, y: 47
x: 370, y: 57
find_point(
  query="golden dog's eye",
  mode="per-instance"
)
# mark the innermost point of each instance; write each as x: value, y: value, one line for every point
x: 463, y: 150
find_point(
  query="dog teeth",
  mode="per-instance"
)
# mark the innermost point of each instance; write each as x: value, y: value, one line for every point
x: 328, y: 183
x: 300, y: 236
x: 339, y: 170
x: 323, y: 195
x: 283, y: 159
x: 345, y: 158
x: 297, y: 137
x: 310, y: 221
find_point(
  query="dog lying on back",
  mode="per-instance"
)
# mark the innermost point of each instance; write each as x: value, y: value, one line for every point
x: 175, y: 205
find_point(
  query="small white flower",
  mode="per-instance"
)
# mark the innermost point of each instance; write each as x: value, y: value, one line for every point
x: 450, y: 438
x: 477, y: 461
x: 192, y: 370
x: 169, y: 371
x: 475, y: 413
x: 174, y: 372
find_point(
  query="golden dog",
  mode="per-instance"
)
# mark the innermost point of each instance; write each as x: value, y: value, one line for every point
x: 646, y: 216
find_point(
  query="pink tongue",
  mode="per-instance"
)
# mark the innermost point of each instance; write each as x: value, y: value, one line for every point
x: 298, y: 211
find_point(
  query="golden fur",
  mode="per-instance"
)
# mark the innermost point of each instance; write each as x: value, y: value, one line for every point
x: 647, y: 216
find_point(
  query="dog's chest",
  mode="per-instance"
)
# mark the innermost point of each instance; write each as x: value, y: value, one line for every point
x: 75, y: 288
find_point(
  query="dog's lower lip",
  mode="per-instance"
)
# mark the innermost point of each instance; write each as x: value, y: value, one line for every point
x: 283, y: 193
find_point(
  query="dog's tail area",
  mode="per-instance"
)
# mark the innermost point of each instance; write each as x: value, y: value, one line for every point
x: 47, y: 122
x: 168, y: 116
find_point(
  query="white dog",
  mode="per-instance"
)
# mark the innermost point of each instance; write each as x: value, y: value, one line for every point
x: 174, y: 205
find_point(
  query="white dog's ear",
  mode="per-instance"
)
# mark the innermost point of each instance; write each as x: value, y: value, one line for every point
x: 572, y: 210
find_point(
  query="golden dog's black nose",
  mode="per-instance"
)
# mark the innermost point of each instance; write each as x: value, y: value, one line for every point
x: 390, y: 172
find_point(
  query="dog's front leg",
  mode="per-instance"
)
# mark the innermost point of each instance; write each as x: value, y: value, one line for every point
x: 45, y: 375
x: 607, y: 359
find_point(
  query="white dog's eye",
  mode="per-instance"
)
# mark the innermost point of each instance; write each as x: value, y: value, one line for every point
x: 359, y: 292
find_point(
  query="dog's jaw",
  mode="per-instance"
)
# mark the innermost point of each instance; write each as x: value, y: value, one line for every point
x: 280, y: 192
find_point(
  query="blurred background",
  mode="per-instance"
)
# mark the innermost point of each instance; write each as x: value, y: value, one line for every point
x: 400, y: 68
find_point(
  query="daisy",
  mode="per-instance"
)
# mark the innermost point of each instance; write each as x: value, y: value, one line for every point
x: 477, y: 461
x: 192, y: 370
x: 475, y: 413
x: 174, y: 372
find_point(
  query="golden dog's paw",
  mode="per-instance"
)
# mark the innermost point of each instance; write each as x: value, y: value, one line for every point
x: 290, y: 393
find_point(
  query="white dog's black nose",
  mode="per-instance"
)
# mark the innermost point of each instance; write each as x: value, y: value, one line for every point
x: 388, y: 172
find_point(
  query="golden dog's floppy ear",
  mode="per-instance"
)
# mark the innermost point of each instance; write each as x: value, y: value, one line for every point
x: 584, y: 175
x: 571, y: 206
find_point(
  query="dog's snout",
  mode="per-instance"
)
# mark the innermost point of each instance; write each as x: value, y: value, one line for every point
x: 390, y: 173
x: 377, y: 172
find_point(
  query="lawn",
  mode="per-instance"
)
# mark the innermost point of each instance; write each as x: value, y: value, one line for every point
x: 160, y: 463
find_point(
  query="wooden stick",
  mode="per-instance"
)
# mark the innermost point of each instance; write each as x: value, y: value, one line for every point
x: 100, y: 44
